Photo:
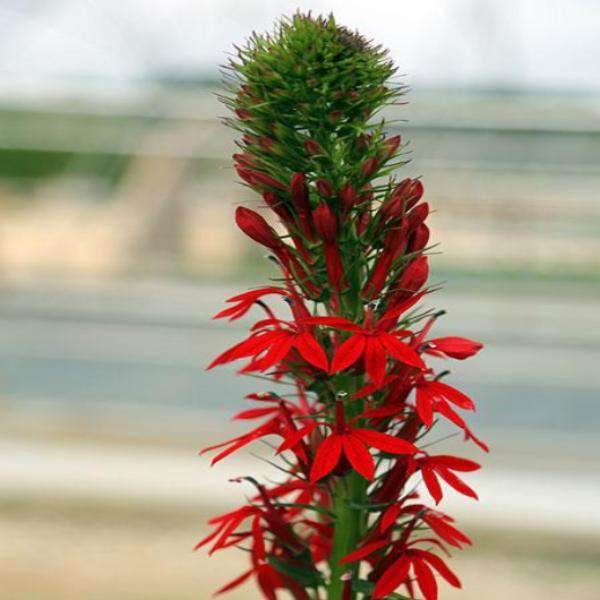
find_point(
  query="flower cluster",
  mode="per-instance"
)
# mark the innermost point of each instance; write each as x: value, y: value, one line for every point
x: 347, y: 520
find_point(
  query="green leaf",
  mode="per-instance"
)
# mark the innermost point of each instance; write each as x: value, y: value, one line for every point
x: 307, y: 576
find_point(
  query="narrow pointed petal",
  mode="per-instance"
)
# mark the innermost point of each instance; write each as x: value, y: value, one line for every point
x: 326, y: 457
x: 385, y: 442
x: 363, y: 552
x: 234, y: 583
x: 311, y: 351
x: 359, y: 456
x: 432, y: 484
x: 425, y: 579
x: 392, y: 578
x: 401, y: 351
x: 458, y: 484
x: 440, y: 566
x: 348, y: 353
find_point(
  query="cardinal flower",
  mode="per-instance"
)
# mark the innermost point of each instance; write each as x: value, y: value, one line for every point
x: 371, y: 341
x: 434, y: 396
x: 271, y: 341
x: 354, y: 444
x: 442, y: 466
x: 422, y: 562
x: 243, y: 302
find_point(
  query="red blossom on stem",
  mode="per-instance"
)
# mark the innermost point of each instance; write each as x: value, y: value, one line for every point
x: 350, y: 516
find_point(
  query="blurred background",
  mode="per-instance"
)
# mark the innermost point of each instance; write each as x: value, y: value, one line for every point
x: 117, y: 244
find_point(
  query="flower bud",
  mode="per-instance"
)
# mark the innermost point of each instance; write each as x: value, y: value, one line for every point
x: 325, y: 223
x: 313, y: 148
x: 301, y: 202
x: 255, y: 227
x: 414, y: 275
x: 325, y: 188
x: 417, y: 215
x: 419, y: 238
x: 348, y: 198
x: 369, y: 167
x: 390, y: 146
x: 276, y: 204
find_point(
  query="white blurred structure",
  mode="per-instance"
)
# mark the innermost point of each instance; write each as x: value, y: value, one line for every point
x: 100, y: 44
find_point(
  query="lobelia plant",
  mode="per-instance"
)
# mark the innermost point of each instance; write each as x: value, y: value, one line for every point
x: 346, y: 520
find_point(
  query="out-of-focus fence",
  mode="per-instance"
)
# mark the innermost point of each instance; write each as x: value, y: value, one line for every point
x: 146, y: 185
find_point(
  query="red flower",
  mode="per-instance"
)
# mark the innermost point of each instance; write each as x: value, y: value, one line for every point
x: 243, y: 302
x: 270, y: 343
x: 354, y: 444
x: 434, y: 396
x: 371, y: 341
x: 441, y: 466
x: 421, y: 562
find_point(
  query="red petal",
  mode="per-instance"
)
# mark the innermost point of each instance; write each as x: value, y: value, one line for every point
x: 451, y: 394
x: 364, y: 551
x: 294, y: 438
x: 255, y: 413
x: 458, y: 484
x: 401, y: 351
x: 447, y: 532
x: 358, y: 456
x: 424, y: 403
x: 235, y: 583
x: 276, y: 353
x: 375, y: 360
x: 397, y: 310
x: 432, y: 484
x: 392, y: 578
x: 348, y: 353
x: 326, y: 458
x: 337, y: 322
x: 385, y: 442
x: 311, y: 351
x: 425, y: 579
x: 440, y: 566
x: 389, y: 517
x: 252, y: 345
x: 455, y: 463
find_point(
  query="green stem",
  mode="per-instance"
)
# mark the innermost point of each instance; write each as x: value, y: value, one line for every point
x: 349, y: 527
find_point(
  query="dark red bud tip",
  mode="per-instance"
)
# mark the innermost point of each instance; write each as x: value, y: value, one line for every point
x: 370, y: 166
x: 313, y: 147
x: 255, y: 227
x: 363, y: 222
x: 243, y: 114
x: 363, y: 141
x: 335, y: 115
x: 325, y: 188
x: 390, y: 146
